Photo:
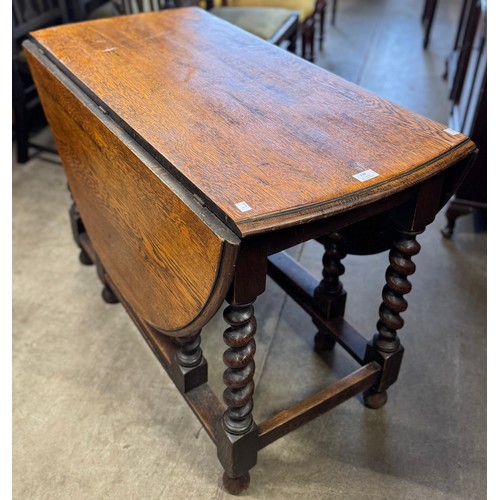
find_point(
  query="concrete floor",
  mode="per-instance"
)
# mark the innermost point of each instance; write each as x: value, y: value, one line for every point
x: 95, y: 417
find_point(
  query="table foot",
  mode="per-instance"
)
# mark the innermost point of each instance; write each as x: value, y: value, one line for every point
x: 323, y: 342
x: 108, y: 296
x: 85, y: 258
x: 373, y: 399
x: 236, y: 485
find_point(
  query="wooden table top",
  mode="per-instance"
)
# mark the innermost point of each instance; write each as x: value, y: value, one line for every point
x: 262, y: 138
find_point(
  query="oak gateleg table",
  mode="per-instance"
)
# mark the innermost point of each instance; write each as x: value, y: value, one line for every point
x: 196, y: 154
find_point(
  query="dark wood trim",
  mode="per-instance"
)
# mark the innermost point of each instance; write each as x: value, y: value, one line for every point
x: 320, y: 402
x: 352, y: 201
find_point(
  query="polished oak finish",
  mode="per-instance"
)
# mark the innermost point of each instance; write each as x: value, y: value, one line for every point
x: 196, y: 155
x: 214, y: 90
x: 137, y: 216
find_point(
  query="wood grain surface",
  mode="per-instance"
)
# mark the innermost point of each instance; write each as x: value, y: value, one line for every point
x: 239, y: 120
x: 171, y: 259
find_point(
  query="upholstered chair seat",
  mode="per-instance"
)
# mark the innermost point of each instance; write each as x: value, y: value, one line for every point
x: 304, y: 7
x: 310, y: 12
x: 263, y: 22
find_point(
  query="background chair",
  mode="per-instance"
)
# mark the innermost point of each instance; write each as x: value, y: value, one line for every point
x: 82, y: 10
x: 276, y: 25
x: 29, y: 15
x: 273, y: 24
x: 136, y: 6
x: 311, y: 13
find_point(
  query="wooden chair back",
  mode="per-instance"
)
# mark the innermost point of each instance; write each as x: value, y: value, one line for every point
x: 79, y: 10
x: 30, y: 15
x: 136, y: 6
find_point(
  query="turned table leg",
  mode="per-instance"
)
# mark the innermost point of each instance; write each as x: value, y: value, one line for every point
x: 386, y: 348
x: 238, y: 377
x: 188, y: 352
x: 78, y: 230
x: 189, y: 368
x: 238, y: 447
x: 330, y: 296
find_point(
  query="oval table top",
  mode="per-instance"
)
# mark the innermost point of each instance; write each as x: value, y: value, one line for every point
x: 262, y: 137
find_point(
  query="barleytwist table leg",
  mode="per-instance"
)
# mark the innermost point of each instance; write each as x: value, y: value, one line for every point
x: 330, y: 296
x: 189, y: 368
x: 397, y: 285
x: 386, y: 342
x: 188, y: 352
x: 237, y: 440
x: 238, y: 377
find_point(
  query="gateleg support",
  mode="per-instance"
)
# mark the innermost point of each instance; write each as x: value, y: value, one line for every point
x: 329, y: 295
x: 385, y: 348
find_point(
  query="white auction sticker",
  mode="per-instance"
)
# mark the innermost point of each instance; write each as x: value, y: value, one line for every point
x: 365, y: 175
x: 450, y: 131
x: 243, y: 206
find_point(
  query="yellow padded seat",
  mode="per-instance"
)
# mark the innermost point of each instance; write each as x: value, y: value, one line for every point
x: 261, y: 21
x: 305, y: 7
